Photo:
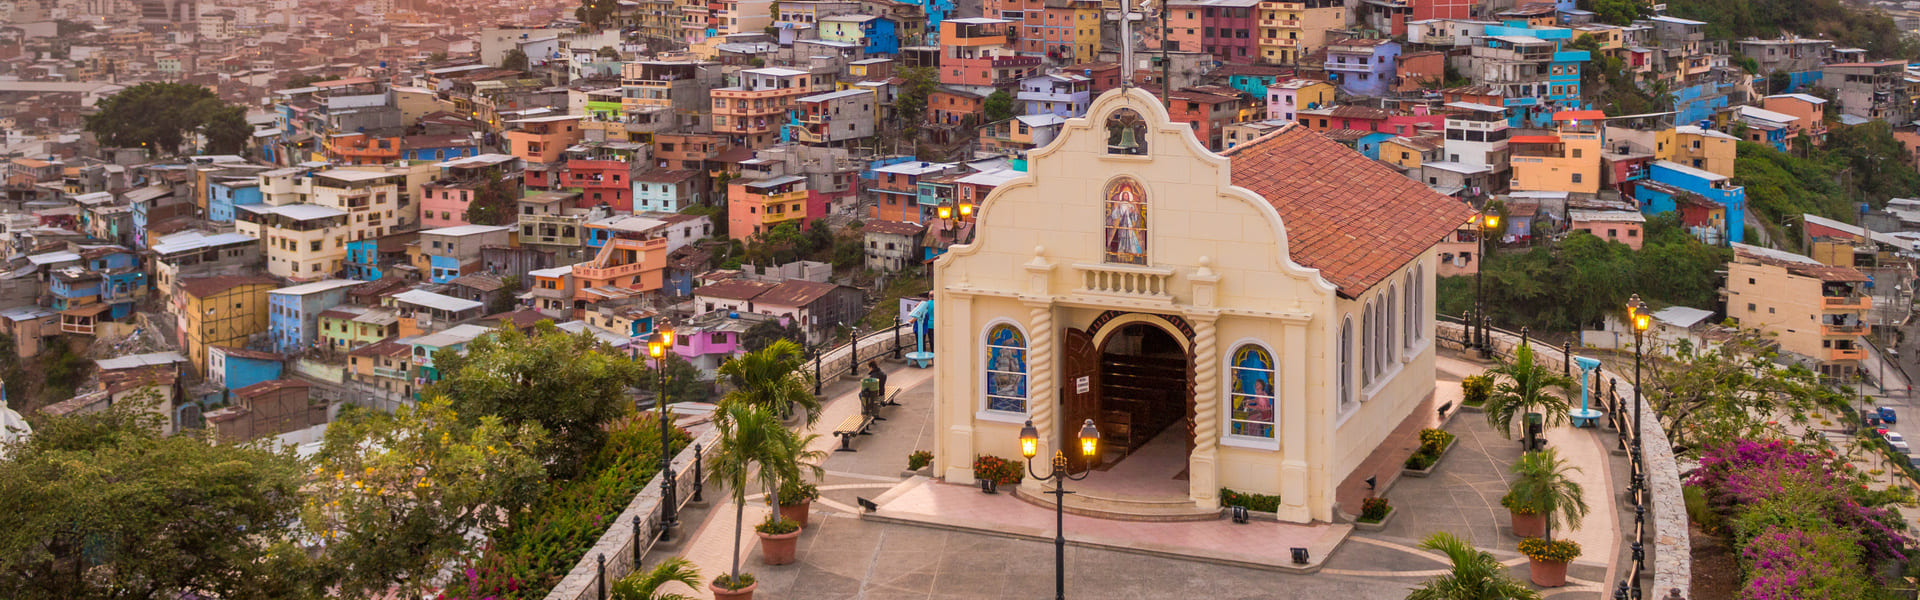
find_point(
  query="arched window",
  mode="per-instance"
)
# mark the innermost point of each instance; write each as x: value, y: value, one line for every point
x: 1345, y: 384
x: 1409, y: 324
x: 1419, y: 310
x: 1252, y: 395
x: 1006, y: 369
x: 1366, y: 346
x: 1126, y: 222
x: 1389, y: 352
x: 1126, y: 132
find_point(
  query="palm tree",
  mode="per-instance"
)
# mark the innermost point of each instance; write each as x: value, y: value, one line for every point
x: 755, y: 447
x: 1542, y: 485
x: 646, y: 586
x: 771, y: 378
x: 1523, y: 389
x: 1476, y: 574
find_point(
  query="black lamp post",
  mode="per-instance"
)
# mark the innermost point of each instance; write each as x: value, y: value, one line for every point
x: 1637, y: 312
x: 1488, y: 222
x: 658, y: 347
x: 896, y: 333
x: 1030, y: 446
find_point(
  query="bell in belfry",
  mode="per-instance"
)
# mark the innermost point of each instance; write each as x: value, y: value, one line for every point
x: 1127, y: 144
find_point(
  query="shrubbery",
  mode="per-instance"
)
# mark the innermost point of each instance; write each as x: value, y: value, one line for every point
x: 1259, y: 502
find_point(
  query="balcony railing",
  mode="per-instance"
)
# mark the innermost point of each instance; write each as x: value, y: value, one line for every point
x: 1279, y: 22
x: 1848, y: 302
x: 1123, y: 280
x: 1833, y: 330
x: 1281, y: 42
x: 1847, y: 354
x: 390, y: 373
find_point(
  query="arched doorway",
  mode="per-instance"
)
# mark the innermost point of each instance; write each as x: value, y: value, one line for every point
x: 1145, y: 410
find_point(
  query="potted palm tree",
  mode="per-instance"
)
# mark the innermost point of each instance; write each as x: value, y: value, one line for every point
x: 771, y: 378
x: 646, y: 586
x: 1476, y: 574
x: 1524, y: 390
x: 749, y: 437
x: 1543, y: 489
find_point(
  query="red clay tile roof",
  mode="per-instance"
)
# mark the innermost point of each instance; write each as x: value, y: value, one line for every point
x: 796, y: 292
x: 1346, y: 215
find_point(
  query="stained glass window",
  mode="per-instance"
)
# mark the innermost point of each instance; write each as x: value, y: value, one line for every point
x: 1006, y: 369
x: 1253, y: 396
x: 1126, y: 223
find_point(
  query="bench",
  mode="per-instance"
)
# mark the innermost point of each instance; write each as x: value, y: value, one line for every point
x: 855, y: 425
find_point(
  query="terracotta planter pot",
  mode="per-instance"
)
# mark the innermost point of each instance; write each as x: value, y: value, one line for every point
x: 797, y: 512
x: 720, y: 593
x: 779, y: 549
x: 1528, y: 526
x: 1549, y: 574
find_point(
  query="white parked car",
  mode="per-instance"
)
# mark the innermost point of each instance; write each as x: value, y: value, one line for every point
x: 1894, y: 437
x: 1901, y: 447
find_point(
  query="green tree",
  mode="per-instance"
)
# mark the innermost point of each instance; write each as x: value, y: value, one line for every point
x: 1523, y: 386
x: 1475, y: 574
x: 102, y: 505
x: 1000, y: 106
x: 1542, y: 486
x: 300, y: 81
x: 1615, y: 12
x: 911, y: 104
x: 394, y: 496
x: 646, y: 586
x: 158, y: 116
x: 514, y: 61
x: 493, y: 201
x: 1847, y: 24
x: 571, y: 385
x: 683, y: 379
x: 594, y: 13
x: 1734, y: 391
x: 437, y: 58
x: 608, y: 53
x: 771, y: 378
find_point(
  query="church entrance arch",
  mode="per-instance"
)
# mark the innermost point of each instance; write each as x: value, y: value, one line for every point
x: 1144, y: 408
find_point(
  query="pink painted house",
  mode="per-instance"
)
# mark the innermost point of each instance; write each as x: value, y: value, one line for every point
x: 443, y: 201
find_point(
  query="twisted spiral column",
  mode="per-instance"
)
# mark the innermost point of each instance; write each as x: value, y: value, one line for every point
x: 1206, y: 387
x: 1040, y: 388
x: 1201, y: 469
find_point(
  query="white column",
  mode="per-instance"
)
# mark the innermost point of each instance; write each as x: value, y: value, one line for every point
x: 955, y: 378
x: 1202, y: 468
x: 1294, y: 491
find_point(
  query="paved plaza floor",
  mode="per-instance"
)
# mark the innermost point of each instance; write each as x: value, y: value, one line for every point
x: 843, y: 555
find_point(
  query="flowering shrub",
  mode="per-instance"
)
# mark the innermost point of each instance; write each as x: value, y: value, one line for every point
x: 1740, y: 476
x: 1798, y: 520
x: 1475, y: 389
x: 1372, y: 510
x: 1555, y: 551
x: 1432, y: 441
x: 998, y: 470
x: 1790, y: 564
x: 1259, y: 502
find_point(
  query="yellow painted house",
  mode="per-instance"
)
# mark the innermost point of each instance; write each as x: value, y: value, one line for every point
x: 1703, y: 149
x: 219, y: 311
x: 1568, y: 161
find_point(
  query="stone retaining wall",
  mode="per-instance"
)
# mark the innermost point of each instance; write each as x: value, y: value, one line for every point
x: 1670, y: 555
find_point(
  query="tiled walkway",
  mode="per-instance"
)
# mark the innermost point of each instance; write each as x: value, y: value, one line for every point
x: 1258, y: 544
x: 843, y: 556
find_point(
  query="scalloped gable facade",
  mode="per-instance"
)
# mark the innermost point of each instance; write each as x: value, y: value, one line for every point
x: 1218, y: 276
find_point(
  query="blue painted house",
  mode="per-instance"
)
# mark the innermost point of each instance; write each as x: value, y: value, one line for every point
x: 235, y: 368
x: 293, y: 313
x: 438, y: 147
x: 1706, y: 184
x: 1252, y: 79
x: 1064, y: 94
x: 224, y: 196
x: 363, y: 260
x: 1362, y: 66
